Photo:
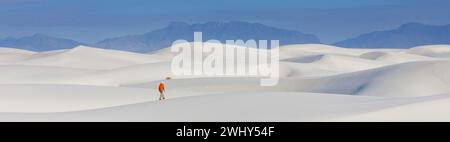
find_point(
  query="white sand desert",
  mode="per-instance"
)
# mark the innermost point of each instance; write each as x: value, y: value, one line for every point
x: 317, y: 83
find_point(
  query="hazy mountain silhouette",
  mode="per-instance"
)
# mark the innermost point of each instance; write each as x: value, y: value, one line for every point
x: 406, y: 36
x: 221, y: 31
x: 38, y: 42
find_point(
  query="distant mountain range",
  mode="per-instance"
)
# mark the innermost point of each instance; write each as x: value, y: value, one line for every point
x: 212, y: 30
x: 406, y: 36
x: 39, y: 42
x: 164, y: 37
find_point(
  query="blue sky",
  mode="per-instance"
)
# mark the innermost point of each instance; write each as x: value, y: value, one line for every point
x: 331, y: 20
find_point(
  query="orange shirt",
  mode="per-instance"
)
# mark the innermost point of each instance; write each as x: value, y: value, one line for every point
x: 161, y: 87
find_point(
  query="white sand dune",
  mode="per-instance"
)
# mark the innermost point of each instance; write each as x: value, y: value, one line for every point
x: 317, y: 83
x: 406, y: 79
x: 9, y: 55
x: 341, y: 63
x: 88, y: 58
x: 267, y: 107
x: 394, y: 57
x: 400, y: 80
x: 21, y: 74
x: 440, y: 51
x: 61, y: 98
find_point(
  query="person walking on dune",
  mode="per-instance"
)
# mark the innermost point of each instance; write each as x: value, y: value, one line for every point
x: 162, y: 89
